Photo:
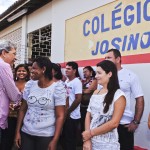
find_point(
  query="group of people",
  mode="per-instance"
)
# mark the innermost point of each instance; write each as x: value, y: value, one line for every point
x: 44, y: 109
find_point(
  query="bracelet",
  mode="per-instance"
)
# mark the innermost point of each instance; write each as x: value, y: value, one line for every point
x: 136, y: 122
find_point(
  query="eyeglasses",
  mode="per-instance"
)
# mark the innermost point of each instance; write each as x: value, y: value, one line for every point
x: 41, y: 101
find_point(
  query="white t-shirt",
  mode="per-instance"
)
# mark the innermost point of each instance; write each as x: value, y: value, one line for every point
x: 109, y: 140
x: 130, y: 85
x: 74, y: 87
x: 40, y: 117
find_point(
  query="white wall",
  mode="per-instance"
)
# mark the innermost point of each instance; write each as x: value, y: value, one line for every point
x: 142, y: 134
x: 40, y: 18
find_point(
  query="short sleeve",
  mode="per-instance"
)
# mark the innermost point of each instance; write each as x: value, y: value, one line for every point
x: 77, y: 87
x: 136, y: 86
x: 27, y: 88
x: 89, y: 106
x: 60, y: 94
x: 118, y: 94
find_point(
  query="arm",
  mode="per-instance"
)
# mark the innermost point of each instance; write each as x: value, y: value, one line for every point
x: 92, y: 87
x: 87, y: 121
x: 9, y: 84
x: 149, y: 121
x: 60, y: 115
x: 119, y: 107
x: 139, y: 107
x: 75, y: 104
x: 87, y: 144
x: 21, y: 115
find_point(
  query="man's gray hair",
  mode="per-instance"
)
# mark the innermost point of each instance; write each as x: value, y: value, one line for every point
x: 6, y: 45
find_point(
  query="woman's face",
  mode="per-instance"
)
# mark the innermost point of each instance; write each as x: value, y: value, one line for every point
x: 21, y: 73
x: 102, y: 77
x: 87, y: 73
x: 36, y: 72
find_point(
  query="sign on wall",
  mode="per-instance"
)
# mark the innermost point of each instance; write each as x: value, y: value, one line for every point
x: 124, y: 25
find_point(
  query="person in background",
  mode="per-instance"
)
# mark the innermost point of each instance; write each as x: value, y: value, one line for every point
x: 130, y: 85
x: 56, y: 71
x: 89, y: 86
x: 29, y: 66
x: 63, y: 77
x: 74, y: 91
x: 57, y: 77
x: 8, y: 89
x: 105, y: 110
x: 42, y: 111
x: 21, y: 76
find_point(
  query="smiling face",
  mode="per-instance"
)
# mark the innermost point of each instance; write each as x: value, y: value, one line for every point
x: 36, y: 72
x: 102, y: 77
x: 21, y: 73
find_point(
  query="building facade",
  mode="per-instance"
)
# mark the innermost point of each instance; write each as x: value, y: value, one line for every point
x: 81, y: 31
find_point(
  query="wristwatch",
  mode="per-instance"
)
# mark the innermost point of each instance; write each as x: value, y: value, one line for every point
x: 136, y: 122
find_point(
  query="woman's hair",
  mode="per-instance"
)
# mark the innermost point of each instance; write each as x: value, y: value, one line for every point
x: 74, y: 66
x: 26, y: 68
x: 113, y: 83
x: 91, y: 70
x: 57, y: 74
x: 45, y: 62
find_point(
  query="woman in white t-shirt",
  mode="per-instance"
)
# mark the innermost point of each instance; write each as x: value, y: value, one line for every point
x: 43, y: 109
x: 105, y: 110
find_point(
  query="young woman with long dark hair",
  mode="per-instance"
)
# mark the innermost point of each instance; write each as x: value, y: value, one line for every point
x: 105, y: 110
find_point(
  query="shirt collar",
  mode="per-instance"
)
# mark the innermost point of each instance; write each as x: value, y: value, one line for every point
x: 1, y: 59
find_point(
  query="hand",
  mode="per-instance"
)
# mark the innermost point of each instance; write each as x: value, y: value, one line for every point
x: 87, y: 145
x: 86, y: 135
x: 132, y: 127
x: 52, y: 145
x: 18, y: 139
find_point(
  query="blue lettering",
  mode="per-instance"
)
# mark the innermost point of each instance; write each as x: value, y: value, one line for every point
x: 96, y: 50
x: 128, y: 20
x: 114, y: 44
x: 84, y: 28
x: 103, y: 29
x: 95, y: 22
x: 133, y: 42
x: 124, y: 43
x: 142, y: 43
x: 146, y: 17
x: 114, y: 19
x: 104, y: 47
x: 139, y: 12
